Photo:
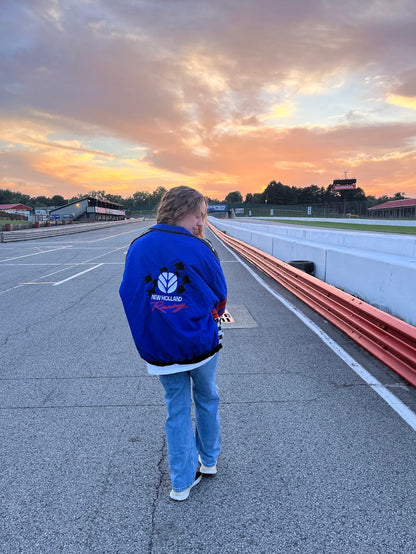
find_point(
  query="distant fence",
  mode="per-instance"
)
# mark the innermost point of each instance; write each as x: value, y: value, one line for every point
x: 150, y: 212
x: 333, y: 210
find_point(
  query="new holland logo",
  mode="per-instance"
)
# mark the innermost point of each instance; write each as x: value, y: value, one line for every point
x: 167, y: 282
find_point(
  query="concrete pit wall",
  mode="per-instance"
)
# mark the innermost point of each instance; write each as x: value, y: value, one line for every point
x: 378, y: 268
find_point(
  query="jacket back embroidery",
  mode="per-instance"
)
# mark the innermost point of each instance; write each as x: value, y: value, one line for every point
x: 166, y: 289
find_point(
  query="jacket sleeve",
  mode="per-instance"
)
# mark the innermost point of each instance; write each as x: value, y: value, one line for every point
x: 217, y: 283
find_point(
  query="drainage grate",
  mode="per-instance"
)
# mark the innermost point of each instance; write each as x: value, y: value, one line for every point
x: 227, y: 318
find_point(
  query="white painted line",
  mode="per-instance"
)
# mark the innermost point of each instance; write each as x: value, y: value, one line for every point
x: 66, y: 264
x: 11, y: 288
x: 119, y: 234
x: 35, y: 254
x: 395, y: 403
x: 102, y: 255
x: 71, y: 266
x: 77, y: 275
x: 39, y: 283
x: 23, y: 264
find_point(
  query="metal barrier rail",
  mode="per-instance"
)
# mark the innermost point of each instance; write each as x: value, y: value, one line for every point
x: 386, y: 337
x: 46, y: 232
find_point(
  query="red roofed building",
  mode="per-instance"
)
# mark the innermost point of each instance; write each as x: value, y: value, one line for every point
x: 396, y: 208
x: 15, y: 209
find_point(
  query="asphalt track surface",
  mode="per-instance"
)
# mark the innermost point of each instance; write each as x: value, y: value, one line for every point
x: 313, y: 459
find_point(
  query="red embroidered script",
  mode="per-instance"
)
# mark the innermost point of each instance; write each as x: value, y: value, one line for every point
x: 162, y: 307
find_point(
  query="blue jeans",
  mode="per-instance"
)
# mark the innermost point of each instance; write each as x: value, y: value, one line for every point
x: 183, y: 444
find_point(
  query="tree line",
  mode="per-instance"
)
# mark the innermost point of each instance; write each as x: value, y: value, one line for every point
x: 278, y: 194
x: 274, y: 194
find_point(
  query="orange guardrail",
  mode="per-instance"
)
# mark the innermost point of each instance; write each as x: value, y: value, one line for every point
x: 386, y: 337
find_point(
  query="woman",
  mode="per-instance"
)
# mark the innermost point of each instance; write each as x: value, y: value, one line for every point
x: 173, y: 291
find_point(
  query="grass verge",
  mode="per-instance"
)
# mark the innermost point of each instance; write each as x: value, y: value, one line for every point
x: 398, y: 229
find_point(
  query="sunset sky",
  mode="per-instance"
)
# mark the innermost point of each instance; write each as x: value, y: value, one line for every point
x: 222, y: 95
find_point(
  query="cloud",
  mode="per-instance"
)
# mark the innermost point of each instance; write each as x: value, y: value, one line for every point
x: 403, y: 91
x: 210, y: 93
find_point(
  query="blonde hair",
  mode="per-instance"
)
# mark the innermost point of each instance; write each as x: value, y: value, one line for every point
x: 178, y: 202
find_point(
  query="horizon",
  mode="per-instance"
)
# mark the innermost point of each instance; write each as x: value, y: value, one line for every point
x: 103, y: 195
x: 222, y: 97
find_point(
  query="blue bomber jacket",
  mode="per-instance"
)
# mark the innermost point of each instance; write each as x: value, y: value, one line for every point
x: 173, y: 290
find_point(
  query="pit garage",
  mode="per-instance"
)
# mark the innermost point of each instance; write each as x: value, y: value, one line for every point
x: 89, y: 209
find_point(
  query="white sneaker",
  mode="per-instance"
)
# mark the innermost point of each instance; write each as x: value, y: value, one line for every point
x: 207, y: 470
x: 183, y: 495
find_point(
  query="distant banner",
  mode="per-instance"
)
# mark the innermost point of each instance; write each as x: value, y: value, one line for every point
x: 344, y: 187
x: 344, y: 184
x: 108, y: 211
x: 217, y: 208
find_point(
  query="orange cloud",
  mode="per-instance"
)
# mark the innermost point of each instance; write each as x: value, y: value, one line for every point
x: 402, y: 101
